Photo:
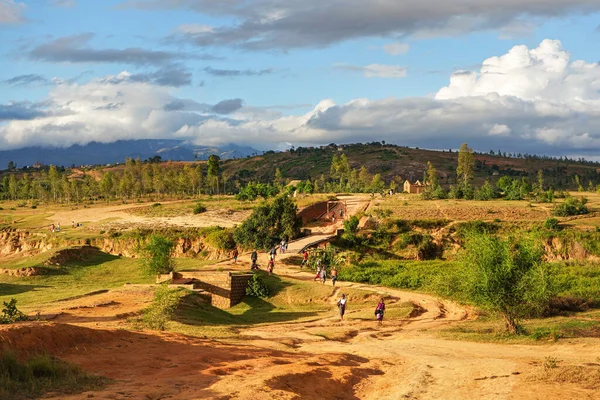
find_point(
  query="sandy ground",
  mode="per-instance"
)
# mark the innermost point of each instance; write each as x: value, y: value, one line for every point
x: 122, y: 216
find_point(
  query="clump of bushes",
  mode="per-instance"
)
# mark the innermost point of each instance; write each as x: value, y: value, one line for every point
x: 158, y: 254
x: 551, y: 224
x: 199, y: 208
x: 162, y: 308
x: 571, y: 206
x: 221, y: 239
x: 257, y: 287
x: 10, y: 313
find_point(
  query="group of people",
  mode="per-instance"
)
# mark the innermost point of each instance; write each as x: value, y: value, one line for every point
x: 379, y: 309
x: 56, y: 227
x: 320, y: 275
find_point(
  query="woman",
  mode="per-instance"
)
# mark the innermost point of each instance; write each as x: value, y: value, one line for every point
x: 379, y: 310
x: 342, y: 306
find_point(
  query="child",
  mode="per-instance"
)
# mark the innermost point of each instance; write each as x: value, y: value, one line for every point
x: 334, y: 274
x: 270, y: 266
x: 305, y: 258
x: 235, y: 254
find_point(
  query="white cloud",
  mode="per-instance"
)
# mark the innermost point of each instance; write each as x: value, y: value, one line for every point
x: 539, y: 98
x: 499, y: 130
x: 11, y: 12
x: 396, y: 48
x: 64, y: 3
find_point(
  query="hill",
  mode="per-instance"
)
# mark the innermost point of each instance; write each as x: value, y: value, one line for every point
x: 408, y: 163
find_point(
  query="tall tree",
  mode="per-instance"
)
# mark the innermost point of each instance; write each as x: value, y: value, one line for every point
x: 466, y: 164
x: 214, y: 169
x: 432, y: 177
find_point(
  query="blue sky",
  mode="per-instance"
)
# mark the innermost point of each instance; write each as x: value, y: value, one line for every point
x: 302, y: 72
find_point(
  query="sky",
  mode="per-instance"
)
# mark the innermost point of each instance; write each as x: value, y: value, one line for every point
x: 513, y: 75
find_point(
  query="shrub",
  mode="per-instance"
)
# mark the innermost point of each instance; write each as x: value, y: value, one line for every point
x: 10, y: 313
x: 221, y: 239
x: 571, y: 206
x: 162, y: 308
x: 507, y: 276
x: 256, y: 287
x: 551, y: 223
x: 158, y: 255
x: 269, y: 223
x: 156, y: 205
x: 199, y: 208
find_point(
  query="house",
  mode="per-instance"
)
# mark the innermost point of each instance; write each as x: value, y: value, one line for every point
x: 414, y: 188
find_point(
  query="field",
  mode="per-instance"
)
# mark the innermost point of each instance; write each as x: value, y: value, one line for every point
x: 91, y: 311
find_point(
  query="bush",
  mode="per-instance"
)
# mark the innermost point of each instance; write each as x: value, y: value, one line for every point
x: 158, y: 255
x: 162, y: 308
x: 10, y: 313
x: 552, y: 224
x: 507, y: 276
x: 269, y: 223
x: 571, y: 206
x: 221, y: 239
x: 199, y: 208
x: 156, y: 205
x: 256, y: 287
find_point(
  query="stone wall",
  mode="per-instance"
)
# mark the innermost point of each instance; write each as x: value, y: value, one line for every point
x: 226, y: 289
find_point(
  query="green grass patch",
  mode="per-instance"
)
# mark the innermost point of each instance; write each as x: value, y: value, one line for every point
x: 42, y: 374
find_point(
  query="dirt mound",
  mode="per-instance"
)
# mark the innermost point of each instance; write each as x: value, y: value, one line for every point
x: 80, y: 253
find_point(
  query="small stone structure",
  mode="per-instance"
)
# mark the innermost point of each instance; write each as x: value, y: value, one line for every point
x: 226, y: 289
x: 414, y: 188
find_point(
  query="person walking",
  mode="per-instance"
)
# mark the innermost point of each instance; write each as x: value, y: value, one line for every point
x: 323, y: 274
x: 273, y: 252
x: 235, y: 255
x: 318, y: 275
x: 271, y: 266
x: 342, y: 306
x: 379, y: 310
x: 254, y: 258
x: 304, y: 258
x: 334, y: 274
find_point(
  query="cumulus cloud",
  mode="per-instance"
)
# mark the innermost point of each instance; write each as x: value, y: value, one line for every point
x: 528, y: 100
x: 276, y: 24
x: 76, y: 49
x: 396, y: 48
x: 377, y: 70
x: 11, y: 12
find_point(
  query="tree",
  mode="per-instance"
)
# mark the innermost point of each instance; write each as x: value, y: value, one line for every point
x: 158, y: 254
x: 213, y: 170
x: 12, y: 166
x: 466, y: 164
x: 432, y: 177
x: 278, y: 178
x: 506, y: 276
x: 269, y: 223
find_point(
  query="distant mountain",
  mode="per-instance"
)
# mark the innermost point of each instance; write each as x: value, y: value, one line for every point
x: 110, y: 153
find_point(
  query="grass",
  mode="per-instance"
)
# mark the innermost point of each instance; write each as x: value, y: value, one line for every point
x: 539, y: 330
x: 99, y: 271
x: 41, y: 374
